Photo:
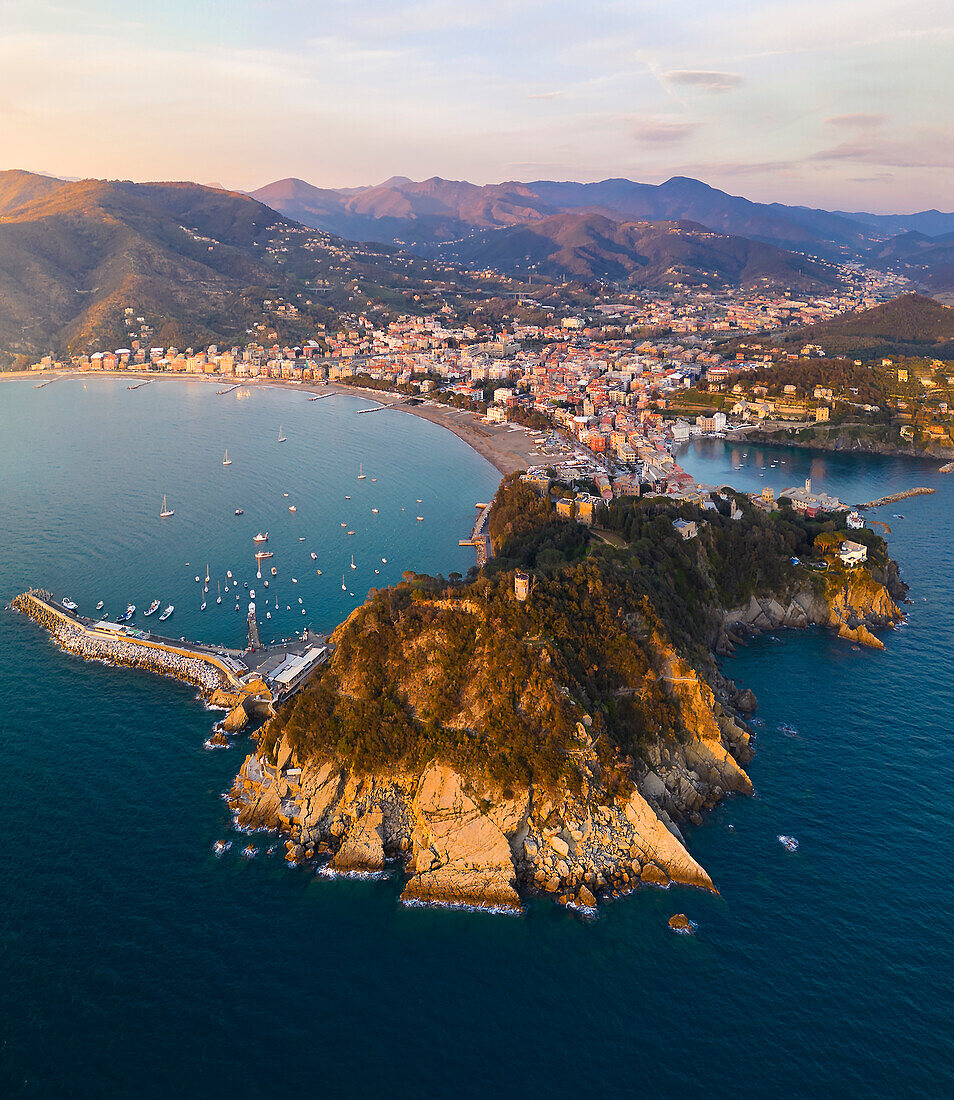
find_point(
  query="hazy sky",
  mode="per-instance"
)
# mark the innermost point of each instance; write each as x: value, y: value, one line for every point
x: 838, y: 103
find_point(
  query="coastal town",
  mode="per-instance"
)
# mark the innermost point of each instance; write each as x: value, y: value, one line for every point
x: 606, y: 396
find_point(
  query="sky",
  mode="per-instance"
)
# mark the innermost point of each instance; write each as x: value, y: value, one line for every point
x: 844, y: 104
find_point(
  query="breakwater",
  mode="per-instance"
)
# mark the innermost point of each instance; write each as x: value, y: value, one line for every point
x: 204, y: 672
x: 891, y: 498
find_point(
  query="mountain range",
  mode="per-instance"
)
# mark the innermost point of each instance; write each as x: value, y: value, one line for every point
x: 196, y: 261
x: 438, y: 217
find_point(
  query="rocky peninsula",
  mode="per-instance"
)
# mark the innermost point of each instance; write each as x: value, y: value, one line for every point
x: 546, y: 727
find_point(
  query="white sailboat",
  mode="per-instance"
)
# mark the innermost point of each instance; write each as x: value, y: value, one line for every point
x: 226, y: 461
x: 281, y: 437
x: 344, y: 587
x: 353, y: 566
x: 361, y: 474
x: 166, y: 510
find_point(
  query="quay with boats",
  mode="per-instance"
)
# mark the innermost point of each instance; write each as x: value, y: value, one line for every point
x: 257, y: 678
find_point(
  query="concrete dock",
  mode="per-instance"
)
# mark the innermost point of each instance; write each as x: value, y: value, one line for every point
x: 262, y: 677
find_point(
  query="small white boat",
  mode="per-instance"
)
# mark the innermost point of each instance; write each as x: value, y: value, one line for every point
x: 152, y: 609
x: 281, y: 438
x: 207, y: 573
x: 261, y: 537
x: 374, y: 511
x: 351, y: 532
x: 226, y: 461
x: 344, y: 587
x: 166, y: 510
x: 788, y: 842
x: 300, y: 600
x: 419, y: 501
x: 361, y: 474
x: 240, y: 511
x: 99, y: 606
x: 198, y: 580
x: 228, y: 573
x: 284, y: 494
x: 218, y: 598
x: 314, y: 556
x: 292, y: 508
x: 268, y: 614
x: 344, y: 525
x: 353, y: 566
x: 384, y: 561
x: 294, y: 580
x: 202, y: 606
x: 420, y: 519
x: 166, y: 612
x: 70, y: 605
x: 377, y: 570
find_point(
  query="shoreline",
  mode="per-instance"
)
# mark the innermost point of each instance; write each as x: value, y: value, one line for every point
x: 507, y: 450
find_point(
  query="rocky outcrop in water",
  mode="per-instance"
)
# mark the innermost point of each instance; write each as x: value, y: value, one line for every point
x: 463, y: 841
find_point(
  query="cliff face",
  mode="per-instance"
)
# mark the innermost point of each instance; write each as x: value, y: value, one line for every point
x: 851, y: 602
x: 496, y: 747
x: 464, y: 840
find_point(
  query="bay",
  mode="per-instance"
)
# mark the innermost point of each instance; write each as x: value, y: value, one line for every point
x: 134, y: 960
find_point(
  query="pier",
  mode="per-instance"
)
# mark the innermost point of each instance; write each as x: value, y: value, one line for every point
x: 139, y: 385
x: 892, y: 498
x: 228, y: 389
x: 480, y: 538
x: 381, y: 407
x: 253, y: 680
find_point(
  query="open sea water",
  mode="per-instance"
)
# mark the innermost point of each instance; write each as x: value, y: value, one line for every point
x: 134, y: 961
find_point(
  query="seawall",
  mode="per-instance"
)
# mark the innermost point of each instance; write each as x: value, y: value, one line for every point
x: 204, y: 672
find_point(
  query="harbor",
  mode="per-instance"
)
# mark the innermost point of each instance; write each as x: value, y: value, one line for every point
x: 250, y: 682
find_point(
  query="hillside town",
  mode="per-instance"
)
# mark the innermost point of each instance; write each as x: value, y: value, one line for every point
x: 612, y: 391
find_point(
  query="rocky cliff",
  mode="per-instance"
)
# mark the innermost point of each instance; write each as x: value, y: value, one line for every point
x: 852, y: 602
x: 492, y: 747
x: 466, y: 840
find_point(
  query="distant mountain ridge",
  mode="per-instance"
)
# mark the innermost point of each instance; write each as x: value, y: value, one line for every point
x: 591, y: 246
x: 429, y: 214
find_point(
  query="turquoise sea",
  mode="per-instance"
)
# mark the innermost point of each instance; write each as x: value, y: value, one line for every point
x: 133, y: 961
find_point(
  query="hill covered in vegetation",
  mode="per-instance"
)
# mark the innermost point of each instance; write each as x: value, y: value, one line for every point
x: 551, y: 743
x: 196, y: 261
x: 911, y: 324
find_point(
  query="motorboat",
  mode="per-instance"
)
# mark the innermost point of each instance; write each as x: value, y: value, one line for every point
x: 152, y: 609
x: 70, y: 605
x: 166, y: 612
x: 374, y: 511
x: 261, y: 537
x: 240, y: 511
x: 420, y: 519
x: 314, y: 556
x: 274, y: 571
x: 202, y: 606
x: 99, y: 606
x: 292, y: 508
x: 127, y: 614
x: 788, y: 842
